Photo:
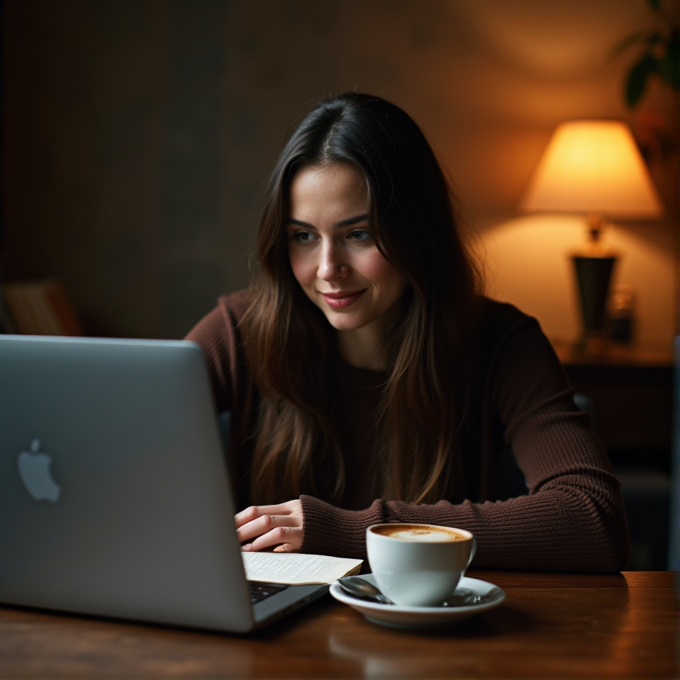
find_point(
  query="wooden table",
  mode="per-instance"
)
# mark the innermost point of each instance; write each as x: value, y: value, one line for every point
x: 550, y: 626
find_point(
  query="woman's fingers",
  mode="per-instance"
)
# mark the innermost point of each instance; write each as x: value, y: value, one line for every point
x: 262, y: 525
x: 282, y: 539
x: 255, y: 511
x: 267, y: 526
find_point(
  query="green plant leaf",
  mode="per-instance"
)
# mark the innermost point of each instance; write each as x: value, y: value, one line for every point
x: 653, y: 38
x: 630, y: 41
x: 649, y: 38
x: 637, y: 78
x: 669, y: 64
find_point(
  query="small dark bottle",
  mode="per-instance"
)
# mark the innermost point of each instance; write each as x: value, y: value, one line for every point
x: 622, y: 314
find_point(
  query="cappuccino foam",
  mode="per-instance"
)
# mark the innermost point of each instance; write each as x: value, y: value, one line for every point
x: 418, y: 532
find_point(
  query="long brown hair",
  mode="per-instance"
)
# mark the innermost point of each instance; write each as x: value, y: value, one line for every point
x: 289, y: 343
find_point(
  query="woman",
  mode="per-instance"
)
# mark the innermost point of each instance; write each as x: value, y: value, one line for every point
x: 369, y: 381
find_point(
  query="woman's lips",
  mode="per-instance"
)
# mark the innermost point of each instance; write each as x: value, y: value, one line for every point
x: 342, y: 299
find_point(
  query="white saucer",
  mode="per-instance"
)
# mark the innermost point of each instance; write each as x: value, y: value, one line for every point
x: 423, y: 617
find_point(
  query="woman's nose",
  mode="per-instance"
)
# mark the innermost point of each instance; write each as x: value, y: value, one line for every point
x: 331, y: 264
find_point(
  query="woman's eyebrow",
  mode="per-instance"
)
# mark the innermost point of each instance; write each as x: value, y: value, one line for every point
x: 351, y: 220
x: 342, y: 223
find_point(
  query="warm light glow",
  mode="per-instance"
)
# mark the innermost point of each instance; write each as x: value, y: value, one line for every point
x: 593, y: 167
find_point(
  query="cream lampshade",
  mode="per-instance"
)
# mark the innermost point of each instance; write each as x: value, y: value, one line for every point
x: 593, y: 168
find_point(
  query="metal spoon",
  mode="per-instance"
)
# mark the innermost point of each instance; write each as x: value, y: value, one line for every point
x: 359, y: 587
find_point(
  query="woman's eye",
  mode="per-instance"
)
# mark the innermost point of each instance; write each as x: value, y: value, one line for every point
x: 303, y: 236
x: 360, y: 235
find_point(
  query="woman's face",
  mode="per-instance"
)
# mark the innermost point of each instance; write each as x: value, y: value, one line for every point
x: 332, y: 252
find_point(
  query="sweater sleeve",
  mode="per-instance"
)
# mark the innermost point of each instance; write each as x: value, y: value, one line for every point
x: 573, y: 517
x: 217, y: 335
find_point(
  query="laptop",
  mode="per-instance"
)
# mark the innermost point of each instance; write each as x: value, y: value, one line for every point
x: 115, y: 498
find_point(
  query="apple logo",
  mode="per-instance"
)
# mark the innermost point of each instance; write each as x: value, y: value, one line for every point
x: 34, y: 470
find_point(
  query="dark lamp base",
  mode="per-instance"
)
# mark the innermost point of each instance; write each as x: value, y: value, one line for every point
x: 593, y: 276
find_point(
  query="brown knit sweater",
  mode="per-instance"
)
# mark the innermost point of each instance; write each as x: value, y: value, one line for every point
x: 572, y: 519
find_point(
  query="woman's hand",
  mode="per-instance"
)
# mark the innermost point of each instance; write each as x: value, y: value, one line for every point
x: 264, y: 526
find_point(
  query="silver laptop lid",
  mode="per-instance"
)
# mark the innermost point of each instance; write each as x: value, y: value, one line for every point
x: 114, y: 495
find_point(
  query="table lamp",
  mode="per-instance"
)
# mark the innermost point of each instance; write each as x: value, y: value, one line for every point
x: 593, y: 168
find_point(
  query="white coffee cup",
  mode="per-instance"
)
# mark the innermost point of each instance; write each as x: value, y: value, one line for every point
x: 418, y: 565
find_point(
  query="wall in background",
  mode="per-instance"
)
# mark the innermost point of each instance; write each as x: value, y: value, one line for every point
x: 115, y: 157
x: 138, y: 134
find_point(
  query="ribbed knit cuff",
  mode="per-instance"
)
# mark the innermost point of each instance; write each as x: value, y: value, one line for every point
x: 333, y: 531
